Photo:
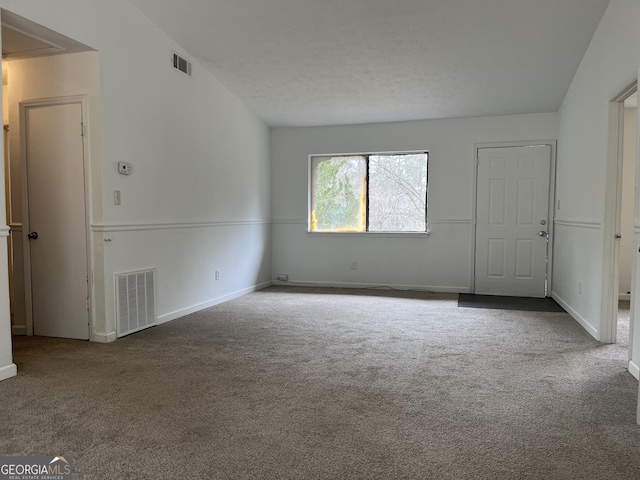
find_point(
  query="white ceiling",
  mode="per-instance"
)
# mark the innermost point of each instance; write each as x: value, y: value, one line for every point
x: 328, y: 62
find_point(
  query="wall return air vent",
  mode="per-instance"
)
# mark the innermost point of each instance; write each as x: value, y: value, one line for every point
x: 181, y: 63
x: 135, y: 301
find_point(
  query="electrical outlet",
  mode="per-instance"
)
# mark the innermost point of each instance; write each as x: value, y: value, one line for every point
x: 580, y: 288
x: 354, y: 266
x: 283, y: 277
x: 217, y: 274
x: 116, y: 197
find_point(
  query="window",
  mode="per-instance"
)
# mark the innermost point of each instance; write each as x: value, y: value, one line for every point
x: 384, y: 192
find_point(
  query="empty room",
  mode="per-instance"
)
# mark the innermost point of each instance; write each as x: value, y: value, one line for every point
x: 339, y: 239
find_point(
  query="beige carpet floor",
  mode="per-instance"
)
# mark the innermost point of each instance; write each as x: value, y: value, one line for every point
x: 303, y: 383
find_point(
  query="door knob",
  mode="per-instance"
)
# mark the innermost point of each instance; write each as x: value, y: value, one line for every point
x: 544, y: 234
x: 33, y: 235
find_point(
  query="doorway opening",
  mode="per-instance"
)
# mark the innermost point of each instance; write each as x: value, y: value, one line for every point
x: 42, y: 72
x: 627, y: 201
x: 619, y: 221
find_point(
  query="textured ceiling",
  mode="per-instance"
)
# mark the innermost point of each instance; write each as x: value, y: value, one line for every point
x: 328, y: 62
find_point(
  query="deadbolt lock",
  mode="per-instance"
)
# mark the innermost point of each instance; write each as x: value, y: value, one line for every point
x: 543, y: 222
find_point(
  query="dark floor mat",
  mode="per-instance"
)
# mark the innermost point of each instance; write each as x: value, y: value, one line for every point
x: 509, y: 303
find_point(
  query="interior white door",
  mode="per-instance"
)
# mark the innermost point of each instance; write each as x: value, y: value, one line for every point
x: 57, y: 220
x: 512, y: 209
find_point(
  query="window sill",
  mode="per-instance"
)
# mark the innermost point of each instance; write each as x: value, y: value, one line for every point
x: 371, y: 234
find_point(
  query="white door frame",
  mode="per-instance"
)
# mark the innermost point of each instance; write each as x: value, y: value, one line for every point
x: 552, y: 196
x: 24, y: 105
x: 611, y: 221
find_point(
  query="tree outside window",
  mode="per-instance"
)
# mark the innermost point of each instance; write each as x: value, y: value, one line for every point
x: 369, y: 193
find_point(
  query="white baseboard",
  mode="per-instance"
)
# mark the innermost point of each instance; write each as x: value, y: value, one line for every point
x: 104, y: 337
x: 634, y: 370
x: 167, y: 317
x: 19, y: 330
x: 8, y: 371
x: 624, y: 296
x: 576, y: 316
x: 377, y: 286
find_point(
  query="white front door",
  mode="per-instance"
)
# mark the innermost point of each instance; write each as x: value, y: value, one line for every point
x: 57, y: 219
x: 512, y: 209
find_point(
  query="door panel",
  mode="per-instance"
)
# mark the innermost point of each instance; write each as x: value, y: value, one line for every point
x: 56, y: 211
x: 511, y: 210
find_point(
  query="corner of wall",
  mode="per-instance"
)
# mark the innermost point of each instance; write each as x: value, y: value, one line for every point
x: 104, y: 337
x: 8, y: 371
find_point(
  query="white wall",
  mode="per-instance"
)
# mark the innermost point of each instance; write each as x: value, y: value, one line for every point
x: 199, y: 196
x: 628, y: 199
x: 609, y: 65
x: 440, y: 262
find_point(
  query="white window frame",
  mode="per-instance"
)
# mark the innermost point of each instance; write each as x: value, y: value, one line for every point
x: 367, y: 234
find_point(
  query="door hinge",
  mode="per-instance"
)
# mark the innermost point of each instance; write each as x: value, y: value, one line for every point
x: 87, y: 303
x: 82, y: 129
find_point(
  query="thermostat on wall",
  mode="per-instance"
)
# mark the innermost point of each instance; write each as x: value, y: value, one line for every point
x: 125, y: 168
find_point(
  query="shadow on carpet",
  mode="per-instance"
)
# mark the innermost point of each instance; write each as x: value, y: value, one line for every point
x: 466, y: 300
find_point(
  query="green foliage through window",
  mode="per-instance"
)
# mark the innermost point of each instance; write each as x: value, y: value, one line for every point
x: 369, y: 193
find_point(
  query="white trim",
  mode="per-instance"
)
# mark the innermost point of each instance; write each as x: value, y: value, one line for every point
x: 634, y: 370
x: 552, y: 215
x: 8, y: 371
x: 357, y: 153
x: 449, y: 221
x: 430, y: 221
x: 104, y: 337
x: 576, y: 316
x: 290, y: 221
x: 19, y: 330
x: 5, y: 231
x: 310, y: 158
x: 373, y: 286
x: 310, y: 187
x: 474, y: 215
x: 136, y: 227
x: 167, y: 317
x: 371, y: 234
x: 591, y: 224
x: 552, y: 144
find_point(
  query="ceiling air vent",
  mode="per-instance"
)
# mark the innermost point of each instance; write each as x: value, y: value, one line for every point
x: 181, y: 63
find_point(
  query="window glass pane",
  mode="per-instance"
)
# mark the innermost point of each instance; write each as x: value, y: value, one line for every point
x: 397, y: 193
x: 338, y: 194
